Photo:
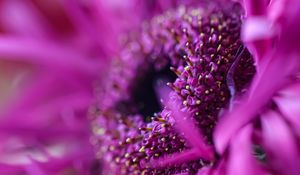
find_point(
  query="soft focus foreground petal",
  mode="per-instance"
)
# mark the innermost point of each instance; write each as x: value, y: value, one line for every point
x: 280, y: 144
x: 9, y: 169
x: 146, y: 9
x: 70, y: 164
x: 276, y: 9
x: 290, y: 27
x: 46, y: 53
x: 255, y: 7
x: 50, y: 107
x: 241, y: 159
x: 204, y: 171
x: 221, y: 167
x: 34, y: 169
x: 13, y: 77
x: 257, y: 33
x: 257, y: 29
x: 93, y: 31
x: 22, y: 19
x: 46, y: 96
x: 288, y: 101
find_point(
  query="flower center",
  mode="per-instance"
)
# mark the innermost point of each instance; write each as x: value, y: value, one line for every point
x: 202, y: 47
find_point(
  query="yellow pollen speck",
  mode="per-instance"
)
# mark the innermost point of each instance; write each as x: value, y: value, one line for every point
x: 200, y: 77
x: 184, y: 102
x: 111, y: 148
x: 128, y: 140
x: 127, y: 155
x: 142, y: 149
x: 186, y: 68
x: 220, y: 27
x: 219, y: 48
x: 127, y: 163
x: 134, y: 160
x: 117, y: 159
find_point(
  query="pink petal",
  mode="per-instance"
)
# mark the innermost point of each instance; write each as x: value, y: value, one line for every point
x: 22, y: 18
x: 257, y: 33
x: 280, y: 144
x: 290, y: 28
x: 288, y: 102
x: 101, y: 36
x: 34, y: 169
x: 257, y: 29
x: 46, y: 53
x: 242, y: 160
x: 204, y: 171
x: 256, y: 7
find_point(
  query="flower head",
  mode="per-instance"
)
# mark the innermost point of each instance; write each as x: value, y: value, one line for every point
x: 177, y: 87
x: 202, y: 47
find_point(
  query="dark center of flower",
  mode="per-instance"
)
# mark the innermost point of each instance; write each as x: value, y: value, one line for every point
x: 144, y: 99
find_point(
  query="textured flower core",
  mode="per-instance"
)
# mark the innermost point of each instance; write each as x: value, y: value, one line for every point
x: 199, y: 51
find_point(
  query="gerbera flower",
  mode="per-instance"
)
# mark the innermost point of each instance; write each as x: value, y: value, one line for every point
x: 167, y: 85
x: 201, y: 45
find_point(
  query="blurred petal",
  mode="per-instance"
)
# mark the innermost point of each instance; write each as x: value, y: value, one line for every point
x: 288, y: 102
x: 204, y: 171
x: 256, y: 7
x: 46, y: 54
x: 277, y: 134
x: 257, y: 29
x: 241, y: 159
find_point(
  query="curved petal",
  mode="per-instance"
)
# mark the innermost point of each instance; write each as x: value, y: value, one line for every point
x: 257, y: 30
x: 204, y: 171
x: 280, y: 144
x: 256, y: 7
x: 288, y: 102
x: 241, y: 159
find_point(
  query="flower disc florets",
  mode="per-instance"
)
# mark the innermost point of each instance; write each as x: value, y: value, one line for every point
x: 202, y: 47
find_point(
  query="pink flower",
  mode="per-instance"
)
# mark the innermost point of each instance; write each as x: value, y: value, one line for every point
x: 84, y: 87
